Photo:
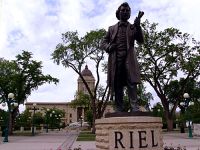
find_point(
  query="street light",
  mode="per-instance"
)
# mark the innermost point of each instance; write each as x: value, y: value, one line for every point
x: 33, y: 125
x: 51, y: 119
x: 11, y: 103
x: 47, y: 119
x: 186, y: 104
x: 81, y: 119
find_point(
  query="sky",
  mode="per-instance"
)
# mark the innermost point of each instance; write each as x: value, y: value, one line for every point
x: 37, y: 25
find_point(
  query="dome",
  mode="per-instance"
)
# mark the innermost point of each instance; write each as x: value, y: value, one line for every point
x: 86, y: 72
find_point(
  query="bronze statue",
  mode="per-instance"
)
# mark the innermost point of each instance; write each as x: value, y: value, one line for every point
x: 123, y: 67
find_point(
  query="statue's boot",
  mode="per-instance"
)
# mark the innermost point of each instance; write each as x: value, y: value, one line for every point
x: 134, y: 106
x: 132, y: 91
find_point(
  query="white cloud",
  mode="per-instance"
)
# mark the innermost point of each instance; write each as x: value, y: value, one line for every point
x: 36, y: 25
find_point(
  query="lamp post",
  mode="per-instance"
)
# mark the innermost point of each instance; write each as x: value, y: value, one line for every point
x: 51, y: 118
x: 1, y: 120
x: 186, y: 104
x: 47, y: 119
x: 59, y: 121
x: 33, y: 125
x: 11, y: 103
x: 81, y: 119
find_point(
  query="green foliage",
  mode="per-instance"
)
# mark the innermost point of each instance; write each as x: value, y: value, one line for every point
x: 38, y: 119
x: 162, y: 57
x: 89, y: 117
x: 158, y: 111
x: 74, y: 51
x: 81, y: 100
x: 165, y: 52
x: 3, y: 117
x: 193, y: 113
x: 53, y: 117
x: 144, y: 98
x: 21, y: 77
x: 24, y: 119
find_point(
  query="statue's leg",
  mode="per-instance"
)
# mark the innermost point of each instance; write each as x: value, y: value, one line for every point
x: 119, y: 98
x: 118, y: 87
x: 132, y: 93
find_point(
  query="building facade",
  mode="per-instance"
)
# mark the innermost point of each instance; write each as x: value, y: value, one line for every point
x: 71, y: 114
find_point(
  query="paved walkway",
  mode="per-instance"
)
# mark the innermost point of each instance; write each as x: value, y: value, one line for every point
x: 169, y: 139
x: 181, y: 139
x: 62, y: 140
x: 54, y: 140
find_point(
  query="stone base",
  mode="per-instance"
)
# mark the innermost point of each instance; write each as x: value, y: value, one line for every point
x: 129, y: 133
x: 127, y: 114
x: 196, y: 130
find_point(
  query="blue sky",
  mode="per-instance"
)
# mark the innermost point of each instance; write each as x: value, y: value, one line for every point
x: 37, y: 25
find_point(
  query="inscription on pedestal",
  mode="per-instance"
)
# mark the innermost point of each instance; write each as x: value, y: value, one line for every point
x: 137, y: 139
x: 129, y: 133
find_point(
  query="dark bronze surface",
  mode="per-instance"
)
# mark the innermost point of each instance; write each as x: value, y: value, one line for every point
x: 128, y: 114
x: 123, y: 67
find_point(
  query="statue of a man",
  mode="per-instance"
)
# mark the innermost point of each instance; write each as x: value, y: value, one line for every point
x: 123, y: 67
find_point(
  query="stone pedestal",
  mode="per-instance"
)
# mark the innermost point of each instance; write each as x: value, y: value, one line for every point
x: 196, y: 130
x: 129, y: 133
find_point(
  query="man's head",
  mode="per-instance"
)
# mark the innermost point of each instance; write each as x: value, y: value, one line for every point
x: 123, y: 12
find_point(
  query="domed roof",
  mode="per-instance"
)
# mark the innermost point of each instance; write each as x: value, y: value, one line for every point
x: 86, y: 72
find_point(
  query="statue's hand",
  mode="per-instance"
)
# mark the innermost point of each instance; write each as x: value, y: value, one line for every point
x: 112, y: 47
x: 140, y: 14
x: 137, y: 19
x: 137, y: 22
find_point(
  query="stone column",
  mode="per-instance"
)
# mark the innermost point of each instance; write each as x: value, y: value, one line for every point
x: 42, y: 128
x: 129, y: 133
x: 34, y: 129
x: 21, y: 129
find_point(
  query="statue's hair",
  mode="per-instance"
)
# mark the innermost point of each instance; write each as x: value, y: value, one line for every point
x: 125, y: 4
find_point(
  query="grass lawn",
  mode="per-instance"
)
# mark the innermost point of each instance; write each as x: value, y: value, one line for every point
x: 86, y: 136
x: 23, y: 134
x: 19, y: 133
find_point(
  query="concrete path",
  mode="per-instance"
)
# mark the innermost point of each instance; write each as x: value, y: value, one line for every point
x: 169, y: 139
x: 54, y: 140
x: 181, y: 139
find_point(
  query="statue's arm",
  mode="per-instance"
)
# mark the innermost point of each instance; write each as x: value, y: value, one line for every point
x: 105, y: 45
x: 139, y: 36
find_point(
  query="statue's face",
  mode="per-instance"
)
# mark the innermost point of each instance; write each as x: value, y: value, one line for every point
x: 124, y: 13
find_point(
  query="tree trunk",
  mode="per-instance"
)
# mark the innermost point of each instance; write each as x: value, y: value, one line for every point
x: 169, y: 124
x: 94, y: 116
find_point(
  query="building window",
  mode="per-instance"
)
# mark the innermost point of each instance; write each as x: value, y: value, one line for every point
x: 70, y: 115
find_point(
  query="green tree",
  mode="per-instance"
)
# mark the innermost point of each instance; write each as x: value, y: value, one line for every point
x: 21, y: 77
x: 38, y: 119
x: 163, y: 56
x: 53, y: 117
x: 194, y: 111
x: 73, y: 52
x: 3, y: 118
x: 24, y: 119
x: 158, y: 111
x: 192, y: 88
x: 81, y: 100
x: 175, y: 87
x: 144, y: 98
